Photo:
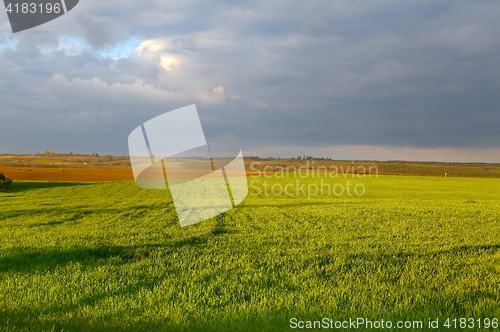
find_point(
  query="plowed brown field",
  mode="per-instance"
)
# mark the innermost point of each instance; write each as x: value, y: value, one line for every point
x: 67, y: 174
x: 73, y: 174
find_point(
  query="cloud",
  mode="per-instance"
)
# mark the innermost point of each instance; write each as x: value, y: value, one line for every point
x: 423, y: 74
x: 217, y: 96
x: 99, y: 31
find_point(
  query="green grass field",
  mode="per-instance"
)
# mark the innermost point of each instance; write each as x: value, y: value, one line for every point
x: 112, y: 257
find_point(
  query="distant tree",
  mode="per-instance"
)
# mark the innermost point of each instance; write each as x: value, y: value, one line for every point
x: 5, y: 182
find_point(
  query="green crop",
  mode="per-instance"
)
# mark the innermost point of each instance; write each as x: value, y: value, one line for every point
x: 112, y: 257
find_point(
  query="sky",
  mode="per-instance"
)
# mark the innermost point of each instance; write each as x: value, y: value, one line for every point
x: 348, y: 79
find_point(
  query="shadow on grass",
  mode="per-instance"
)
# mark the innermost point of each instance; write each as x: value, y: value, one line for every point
x: 403, y: 257
x: 31, y: 319
x: 63, y: 213
x: 23, y: 186
x: 34, y: 259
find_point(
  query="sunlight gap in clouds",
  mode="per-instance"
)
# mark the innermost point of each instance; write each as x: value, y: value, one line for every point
x: 169, y: 63
x: 152, y: 48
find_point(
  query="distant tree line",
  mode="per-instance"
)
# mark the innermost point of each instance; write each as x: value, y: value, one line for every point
x: 440, y: 170
x: 384, y: 168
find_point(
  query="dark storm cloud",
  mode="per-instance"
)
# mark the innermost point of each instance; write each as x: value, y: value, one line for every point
x: 264, y: 73
x: 99, y: 31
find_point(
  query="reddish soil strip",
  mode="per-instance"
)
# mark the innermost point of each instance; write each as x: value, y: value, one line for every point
x: 67, y: 174
x: 72, y: 174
